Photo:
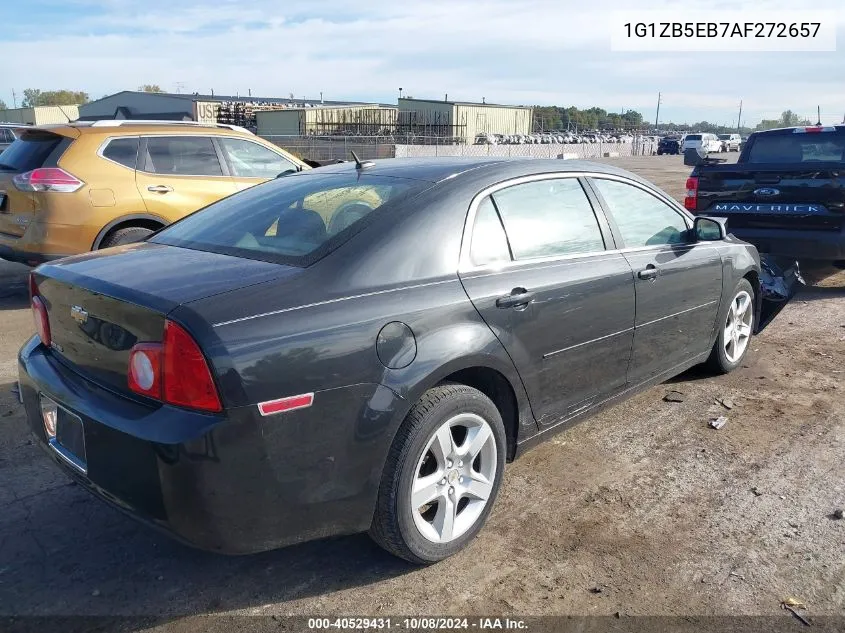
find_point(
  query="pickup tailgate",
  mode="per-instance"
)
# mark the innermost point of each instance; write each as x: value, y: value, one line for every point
x: 799, y: 196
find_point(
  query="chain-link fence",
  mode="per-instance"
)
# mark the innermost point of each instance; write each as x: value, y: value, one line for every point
x: 329, y: 148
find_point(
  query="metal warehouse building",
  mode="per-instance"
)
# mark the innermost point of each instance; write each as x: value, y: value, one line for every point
x: 466, y: 120
x: 178, y: 107
x: 40, y: 115
x: 357, y: 120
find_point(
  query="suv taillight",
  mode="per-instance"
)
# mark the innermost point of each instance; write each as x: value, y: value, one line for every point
x: 691, y: 197
x: 174, y: 371
x: 39, y: 313
x: 47, y: 179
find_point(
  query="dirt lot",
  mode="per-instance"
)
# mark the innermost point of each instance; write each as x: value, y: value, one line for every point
x: 646, y: 503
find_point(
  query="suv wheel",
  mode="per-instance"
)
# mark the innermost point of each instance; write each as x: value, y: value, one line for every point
x: 125, y: 236
x: 442, y: 475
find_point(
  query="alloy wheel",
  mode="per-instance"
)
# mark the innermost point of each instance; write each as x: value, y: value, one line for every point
x: 738, y: 326
x: 454, y: 478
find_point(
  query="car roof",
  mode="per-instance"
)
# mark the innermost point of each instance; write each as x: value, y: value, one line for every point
x: 445, y: 168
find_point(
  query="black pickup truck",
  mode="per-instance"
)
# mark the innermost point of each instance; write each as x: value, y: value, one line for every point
x: 785, y: 194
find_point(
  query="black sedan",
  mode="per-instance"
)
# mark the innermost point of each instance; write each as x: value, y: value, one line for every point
x: 364, y: 346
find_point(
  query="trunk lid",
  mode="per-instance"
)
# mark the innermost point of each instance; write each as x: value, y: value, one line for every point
x: 101, y: 304
x: 33, y: 149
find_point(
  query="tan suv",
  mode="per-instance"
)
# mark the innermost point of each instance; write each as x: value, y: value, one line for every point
x: 67, y: 189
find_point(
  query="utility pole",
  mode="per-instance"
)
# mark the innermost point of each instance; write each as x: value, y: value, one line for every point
x: 739, y: 118
x: 400, y: 93
x: 14, y: 99
x: 657, y: 116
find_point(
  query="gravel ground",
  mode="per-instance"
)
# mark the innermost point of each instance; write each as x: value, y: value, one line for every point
x: 642, y: 510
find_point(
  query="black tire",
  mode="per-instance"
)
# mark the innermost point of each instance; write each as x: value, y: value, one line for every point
x: 125, y: 236
x: 718, y: 362
x: 393, y: 526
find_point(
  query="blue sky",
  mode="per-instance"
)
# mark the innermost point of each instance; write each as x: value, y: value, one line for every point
x: 548, y: 52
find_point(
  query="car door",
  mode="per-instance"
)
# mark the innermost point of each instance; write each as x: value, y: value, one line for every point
x: 178, y: 174
x: 539, y: 266
x: 678, y: 281
x: 251, y: 163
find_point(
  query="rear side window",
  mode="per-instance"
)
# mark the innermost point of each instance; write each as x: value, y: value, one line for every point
x: 6, y: 136
x: 694, y: 137
x: 30, y: 151
x: 294, y: 220
x: 182, y: 156
x: 123, y: 151
x: 796, y: 147
x: 489, y: 244
x: 547, y: 218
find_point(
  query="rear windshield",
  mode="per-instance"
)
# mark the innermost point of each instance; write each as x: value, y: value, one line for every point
x: 725, y: 137
x: 803, y: 147
x: 694, y: 137
x: 29, y: 152
x: 294, y: 219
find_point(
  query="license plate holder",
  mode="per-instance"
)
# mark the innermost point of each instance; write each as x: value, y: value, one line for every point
x: 69, y: 439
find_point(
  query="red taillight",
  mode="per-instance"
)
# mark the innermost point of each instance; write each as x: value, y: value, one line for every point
x: 187, y: 378
x: 39, y: 313
x: 47, y: 179
x: 691, y: 197
x: 145, y: 369
x: 174, y: 372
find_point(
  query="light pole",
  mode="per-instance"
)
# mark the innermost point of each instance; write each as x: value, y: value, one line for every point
x: 400, y: 93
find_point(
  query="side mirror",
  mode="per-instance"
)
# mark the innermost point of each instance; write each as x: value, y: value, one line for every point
x: 287, y: 172
x: 709, y: 229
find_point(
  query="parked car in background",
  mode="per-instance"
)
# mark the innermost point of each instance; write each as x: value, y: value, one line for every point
x: 8, y: 133
x: 730, y: 142
x: 81, y: 186
x: 709, y: 143
x: 668, y: 145
x: 262, y: 373
x: 785, y: 193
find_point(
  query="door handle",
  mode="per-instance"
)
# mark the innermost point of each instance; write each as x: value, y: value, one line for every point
x: 519, y: 297
x: 159, y: 188
x: 650, y: 272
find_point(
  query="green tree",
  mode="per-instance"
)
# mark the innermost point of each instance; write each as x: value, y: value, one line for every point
x: 3, y: 105
x: 150, y: 88
x: 788, y: 118
x: 33, y: 97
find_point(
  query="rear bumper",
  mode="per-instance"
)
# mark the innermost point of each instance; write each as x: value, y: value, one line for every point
x: 26, y: 257
x: 43, y: 242
x: 232, y: 484
x: 818, y: 245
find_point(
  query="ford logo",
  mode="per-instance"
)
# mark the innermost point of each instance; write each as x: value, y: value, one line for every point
x: 766, y: 192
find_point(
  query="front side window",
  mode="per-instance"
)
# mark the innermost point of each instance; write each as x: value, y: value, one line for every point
x: 182, y: 156
x: 294, y: 220
x: 642, y: 218
x: 251, y: 160
x: 548, y: 218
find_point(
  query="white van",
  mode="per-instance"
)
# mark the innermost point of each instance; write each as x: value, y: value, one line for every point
x: 710, y: 143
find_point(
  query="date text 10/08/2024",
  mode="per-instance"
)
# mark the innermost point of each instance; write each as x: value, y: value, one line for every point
x: 418, y: 623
